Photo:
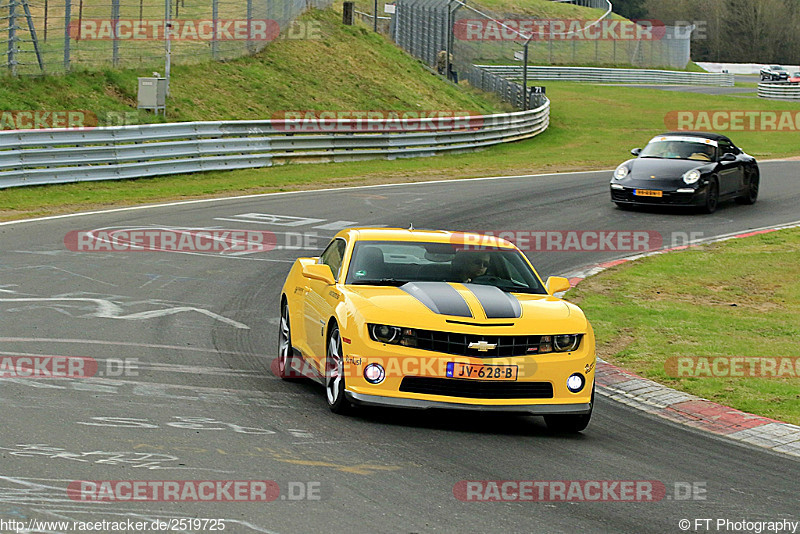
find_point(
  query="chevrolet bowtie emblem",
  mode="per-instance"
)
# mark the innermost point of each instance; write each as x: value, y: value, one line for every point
x: 652, y: 177
x: 482, y: 346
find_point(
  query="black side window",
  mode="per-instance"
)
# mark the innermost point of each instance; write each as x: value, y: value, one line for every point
x: 332, y: 256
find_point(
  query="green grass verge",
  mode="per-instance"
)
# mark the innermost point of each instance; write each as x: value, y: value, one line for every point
x: 591, y: 127
x: 739, y: 298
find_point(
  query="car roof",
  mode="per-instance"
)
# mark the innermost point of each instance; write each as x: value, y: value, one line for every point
x: 704, y: 135
x: 429, y: 236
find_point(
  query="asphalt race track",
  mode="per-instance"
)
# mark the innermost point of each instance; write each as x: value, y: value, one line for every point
x: 198, y: 400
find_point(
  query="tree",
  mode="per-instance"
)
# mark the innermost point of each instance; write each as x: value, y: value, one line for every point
x: 630, y: 9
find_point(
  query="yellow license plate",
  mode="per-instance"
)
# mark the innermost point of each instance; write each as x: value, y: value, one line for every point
x: 648, y: 193
x: 471, y: 371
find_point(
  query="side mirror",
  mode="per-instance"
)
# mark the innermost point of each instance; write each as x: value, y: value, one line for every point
x: 636, y: 151
x: 319, y: 271
x: 556, y: 284
x: 728, y: 157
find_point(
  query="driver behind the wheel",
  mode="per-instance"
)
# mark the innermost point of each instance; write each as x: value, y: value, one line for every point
x: 672, y: 150
x: 468, y: 265
x: 702, y: 153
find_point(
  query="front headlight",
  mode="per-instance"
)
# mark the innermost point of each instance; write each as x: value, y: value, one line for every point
x: 621, y: 172
x: 691, y: 177
x: 392, y: 335
x: 559, y: 343
x: 566, y: 342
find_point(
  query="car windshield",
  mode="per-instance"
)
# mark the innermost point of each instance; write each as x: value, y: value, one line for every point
x: 679, y: 148
x: 399, y: 262
x: 777, y: 67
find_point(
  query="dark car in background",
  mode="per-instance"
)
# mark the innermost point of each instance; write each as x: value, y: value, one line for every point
x: 774, y: 73
x: 686, y: 169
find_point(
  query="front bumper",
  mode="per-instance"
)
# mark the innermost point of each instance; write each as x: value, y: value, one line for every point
x: 417, y: 378
x: 531, y: 409
x: 670, y: 197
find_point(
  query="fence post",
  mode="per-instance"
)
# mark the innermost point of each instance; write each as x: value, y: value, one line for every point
x: 67, y: 22
x: 249, y: 26
x: 12, y: 36
x: 214, y: 19
x: 115, y: 37
x: 525, y: 76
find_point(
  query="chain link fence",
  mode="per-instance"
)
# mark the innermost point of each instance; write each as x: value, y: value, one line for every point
x: 55, y: 36
x: 480, y: 36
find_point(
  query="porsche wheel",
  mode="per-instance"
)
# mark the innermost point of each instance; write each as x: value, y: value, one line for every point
x: 334, y: 373
x: 569, y: 424
x: 285, y: 345
x: 712, y: 197
x: 751, y: 195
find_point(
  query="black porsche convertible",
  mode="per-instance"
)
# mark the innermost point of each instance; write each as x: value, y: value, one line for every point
x: 686, y: 169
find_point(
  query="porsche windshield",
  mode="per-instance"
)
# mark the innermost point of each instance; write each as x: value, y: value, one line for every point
x: 672, y: 148
x: 399, y: 262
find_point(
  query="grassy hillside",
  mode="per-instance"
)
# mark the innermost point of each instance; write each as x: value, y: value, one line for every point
x: 350, y: 68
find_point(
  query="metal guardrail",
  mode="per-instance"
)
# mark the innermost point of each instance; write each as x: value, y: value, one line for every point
x: 779, y: 91
x: 610, y: 75
x: 38, y: 157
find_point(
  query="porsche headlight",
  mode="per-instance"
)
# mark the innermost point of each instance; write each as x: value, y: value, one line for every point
x: 621, y: 172
x: 691, y: 177
x: 392, y: 335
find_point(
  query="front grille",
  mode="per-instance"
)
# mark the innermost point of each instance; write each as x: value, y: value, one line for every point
x: 453, y: 387
x: 626, y: 195
x: 458, y: 344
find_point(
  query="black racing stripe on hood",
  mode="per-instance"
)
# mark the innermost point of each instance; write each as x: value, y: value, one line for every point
x: 439, y: 297
x: 497, y: 304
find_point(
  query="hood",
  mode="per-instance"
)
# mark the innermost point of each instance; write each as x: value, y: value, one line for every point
x: 435, y: 305
x: 660, y: 168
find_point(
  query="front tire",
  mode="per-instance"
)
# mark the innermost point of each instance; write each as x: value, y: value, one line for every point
x: 334, y: 374
x: 712, y: 197
x: 569, y: 424
x: 285, y: 345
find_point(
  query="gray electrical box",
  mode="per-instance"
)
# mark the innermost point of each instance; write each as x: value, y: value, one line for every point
x: 153, y: 94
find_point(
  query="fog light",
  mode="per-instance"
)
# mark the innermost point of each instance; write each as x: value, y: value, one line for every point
x: 575, y: 382
x: 374, y: 373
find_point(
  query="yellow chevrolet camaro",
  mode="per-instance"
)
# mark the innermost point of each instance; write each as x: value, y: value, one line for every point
x: 428, y: 319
